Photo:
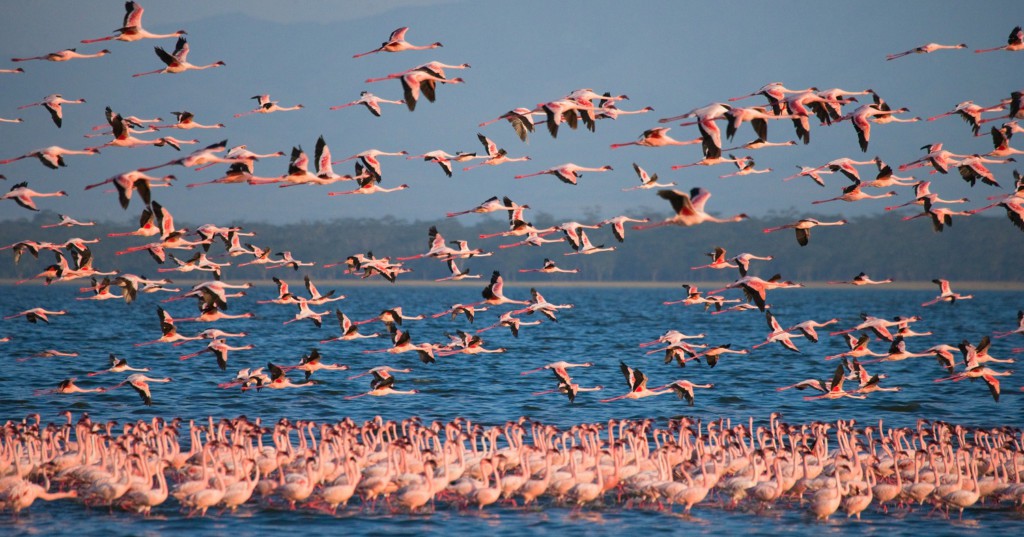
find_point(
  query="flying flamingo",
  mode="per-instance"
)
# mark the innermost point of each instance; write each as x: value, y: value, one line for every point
x: 140, y: 383
x: 177, y: 62
x: 397, y: 43
x: 744, y: 166
x: 646, y: 181
x: 775, y: 92
x: 924, y: 49
x: 402, y: 342
x: 684, y: 389
x: 813, y: 173
x: 567, y: 173
x: 370, y: 101
x: 689, y: 209
x: 63, y: 56
x: 757, y: 116
x: 1018, y: 330
x: 131, y: 27
x: 940, y: 216
x: 1014, y: 43
x: 712, y: 157
x: 24, y: 196
x: 52, y: 157
x: 521, y: 120
x: 862, y: 279
x: 803, y: 228
x: 777, y: 334
x: 36, y: 314
x: 618, y: 224
x: 861, y: 119
x: 657, y: 137
x: 743, y: 261
x: 67, y: 221
x: 54, y: 105
x: 368, y: 185
x: 549, y: 267
x: 118, y: 365
x: 135, y: 180
x: 121, y: 128
x: 384, y: 387
x: 637, y: 382
x: 946, y: 294
x: 854, y: 192
x: 423, y: 80
x: 187, y: 120
x: 495, y: 156
x: 445, y: 160
x: 971, y: 113
x: 265, y: 106
x: 835, y: 389
x: 349, y: 330
x: 718, y: 260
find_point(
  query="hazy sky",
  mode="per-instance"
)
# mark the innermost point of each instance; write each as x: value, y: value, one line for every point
x: 672, y: 56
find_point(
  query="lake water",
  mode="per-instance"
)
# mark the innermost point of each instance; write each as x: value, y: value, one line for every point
x: 605, y: 326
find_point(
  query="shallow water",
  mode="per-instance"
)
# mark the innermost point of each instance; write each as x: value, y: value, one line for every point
x: 605, y: 326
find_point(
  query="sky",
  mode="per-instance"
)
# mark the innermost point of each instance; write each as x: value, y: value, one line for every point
x: 672, y: 56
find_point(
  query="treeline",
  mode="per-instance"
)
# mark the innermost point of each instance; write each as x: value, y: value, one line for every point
x: 979, y: 248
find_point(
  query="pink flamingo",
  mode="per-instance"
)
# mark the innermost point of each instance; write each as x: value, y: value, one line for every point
x: 131, y: 27
x: 54, y: 105
x: 177, y: 61
x: 396, y: 43
x: 1014, y: 43
x: 689, y: 209
x: 924, y: 49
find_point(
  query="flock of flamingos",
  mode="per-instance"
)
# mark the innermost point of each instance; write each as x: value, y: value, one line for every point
x: 411, y: 466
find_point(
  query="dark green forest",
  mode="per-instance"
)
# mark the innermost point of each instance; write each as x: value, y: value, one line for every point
x: 979, y: 248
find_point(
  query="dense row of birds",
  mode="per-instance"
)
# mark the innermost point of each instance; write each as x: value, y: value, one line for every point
x: 74, y: 258
x: 823, y: 468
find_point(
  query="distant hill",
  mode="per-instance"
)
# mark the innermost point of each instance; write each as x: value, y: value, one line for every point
x: 979, y: 248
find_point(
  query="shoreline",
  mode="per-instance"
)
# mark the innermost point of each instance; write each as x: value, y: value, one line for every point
x: 965, y: 285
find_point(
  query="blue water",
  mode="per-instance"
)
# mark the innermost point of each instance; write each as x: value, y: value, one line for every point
x: 606, y: 326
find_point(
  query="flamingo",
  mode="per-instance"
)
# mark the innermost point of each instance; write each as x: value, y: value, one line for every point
x: 718, y: 260
x: 513, y: 323
x: 657, y: 137
x: 778, y: 334
x: 775, y: 92
x: 813, y: 173
x: 684, y: 389
x: 121, y: 128
x: 975, y: 370
x: 445, y: 160
x: 368, y: 185
x: 1014, y: 43
x: 618, y: 224
x: 637, y: 382
x: 937, y: 157
x: 495, y: 156
x: 187, y: 120
x: 886, y: 177
x: 370, y: 101
x: 135, y: 180
x: 855, y: 193
x: 744, y: 166
x: 758, y: 117
x: 494, y: 292
x: 836, y: 391
x: 67, y: 221
x: 647, y: 181
x: 131, y: 27
x: 567, y: 173
x: 24, y: 196
x: 520, y: 118
x: 396, y: 43
x: 940, y: 216
x: 946, y: 294
x: 491, y: 205
x: 68, y: 386
x: 219, y: 348
x: 384, y: 387
x: 861, y: 119
x: 924, y: 49
x: 567, y: 110
x: 177, y: 61
x: 972, y: 169
x: 63, y: 56
x: 54, y: 105
x: 712, y: 157
x: 1018, y: 330
x: 140, y: 383
x: 586, y: 248
x: 52, y: 157
x: 743, y: 261
x: 423, y: 80
x: 689, y: 209
x: 803, y: 228
x: 971, y: 113
x: 549, y: 267
x: 265, y: 106
x: 861, y: 279
x: 460, y: 309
